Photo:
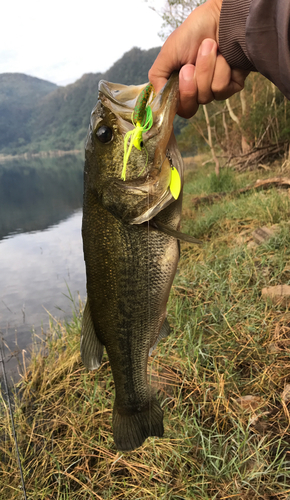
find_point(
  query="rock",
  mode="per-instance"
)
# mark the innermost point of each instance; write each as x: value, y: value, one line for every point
x: 278, y: 295
x: 286, y: 394
x: 256, y: 406
x: 273, y: 348
x: 250, y: 403
x: 252, y: 244
x: 264, y: 233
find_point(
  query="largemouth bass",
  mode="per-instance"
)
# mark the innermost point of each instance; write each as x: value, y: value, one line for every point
x: 130, y: 230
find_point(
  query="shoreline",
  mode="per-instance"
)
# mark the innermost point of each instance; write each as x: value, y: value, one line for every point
x: 41, y: 154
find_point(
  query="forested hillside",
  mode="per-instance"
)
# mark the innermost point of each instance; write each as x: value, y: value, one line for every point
x: 18, y: 96
x: 36, y: 115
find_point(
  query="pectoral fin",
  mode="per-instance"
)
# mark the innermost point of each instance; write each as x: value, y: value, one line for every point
x: 164, y: 332
x: 91, y: 347
x: 163, y: 228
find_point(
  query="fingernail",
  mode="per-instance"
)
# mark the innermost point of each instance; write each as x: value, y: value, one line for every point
x: 206, y: 47
x: 187, y: 72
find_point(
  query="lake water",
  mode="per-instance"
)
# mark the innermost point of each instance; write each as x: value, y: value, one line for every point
x: 41, y: 257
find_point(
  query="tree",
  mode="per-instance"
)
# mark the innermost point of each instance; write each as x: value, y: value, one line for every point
x: 173, y: 14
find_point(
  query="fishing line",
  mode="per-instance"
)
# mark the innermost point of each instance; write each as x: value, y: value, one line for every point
x: 11, y: 416
x: 148, y: 292
x: 149, y: 309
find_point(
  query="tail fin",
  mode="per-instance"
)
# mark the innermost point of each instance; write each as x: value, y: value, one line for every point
x: 131, y: 429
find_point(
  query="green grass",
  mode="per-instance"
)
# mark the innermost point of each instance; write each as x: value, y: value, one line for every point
x: 231, y: 216
x: 226, y: 343
x: 204, y: 180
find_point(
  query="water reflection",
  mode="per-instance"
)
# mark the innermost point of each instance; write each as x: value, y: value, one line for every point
x: 41, y: 248
x: 39, y: 193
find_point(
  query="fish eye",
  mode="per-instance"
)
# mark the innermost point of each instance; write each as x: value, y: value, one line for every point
x: 104, y: 134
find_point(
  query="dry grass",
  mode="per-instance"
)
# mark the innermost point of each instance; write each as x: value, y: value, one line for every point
x: 222, y: 378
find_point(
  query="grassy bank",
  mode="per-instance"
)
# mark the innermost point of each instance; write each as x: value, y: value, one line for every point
x: 222, y: 375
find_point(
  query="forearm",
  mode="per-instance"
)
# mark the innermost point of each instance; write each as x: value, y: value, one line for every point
x: 253, y: 35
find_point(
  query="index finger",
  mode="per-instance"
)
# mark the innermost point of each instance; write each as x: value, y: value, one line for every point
x: 165, y: 63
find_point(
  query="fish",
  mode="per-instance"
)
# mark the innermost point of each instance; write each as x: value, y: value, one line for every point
x: 130, y: 232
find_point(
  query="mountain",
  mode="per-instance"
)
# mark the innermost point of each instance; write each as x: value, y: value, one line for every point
x: 133, y: 67
x: 36, y: 115
x: 18, y: 96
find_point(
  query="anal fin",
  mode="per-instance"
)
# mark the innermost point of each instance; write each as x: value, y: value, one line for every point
x: 164, y: 332
x: 91, y: 348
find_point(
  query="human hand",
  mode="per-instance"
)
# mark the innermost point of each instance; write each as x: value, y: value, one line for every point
x: 193, y: 49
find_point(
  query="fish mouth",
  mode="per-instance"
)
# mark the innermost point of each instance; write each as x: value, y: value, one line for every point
x: 151, y: 188
x: 122, y: 98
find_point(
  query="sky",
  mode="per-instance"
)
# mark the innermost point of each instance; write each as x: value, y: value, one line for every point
x: 60, y: 40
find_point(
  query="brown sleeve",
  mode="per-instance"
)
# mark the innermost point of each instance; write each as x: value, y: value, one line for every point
x: 232, y: 42
x: 254, y: 35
